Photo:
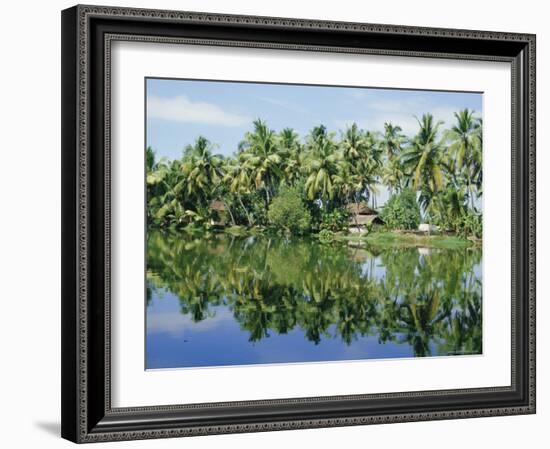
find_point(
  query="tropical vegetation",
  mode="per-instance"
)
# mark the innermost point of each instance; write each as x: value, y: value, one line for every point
x: 300, y: 185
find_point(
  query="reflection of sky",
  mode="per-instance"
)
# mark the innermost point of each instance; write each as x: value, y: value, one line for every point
x: 173, y: 341
x: 373, y: 268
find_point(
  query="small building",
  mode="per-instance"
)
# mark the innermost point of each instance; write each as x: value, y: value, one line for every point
x: 428, y: 228
x: 220, y: 213
x: 362, y: 216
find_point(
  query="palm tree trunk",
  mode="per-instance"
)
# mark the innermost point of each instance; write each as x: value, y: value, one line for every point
x: 230, y: 213
x: 266, y: 253
x: 470, y: 193
x: 354, y: 214
x: 245, y: 211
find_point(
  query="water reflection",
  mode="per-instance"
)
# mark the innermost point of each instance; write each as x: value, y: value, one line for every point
x: 227, y: 301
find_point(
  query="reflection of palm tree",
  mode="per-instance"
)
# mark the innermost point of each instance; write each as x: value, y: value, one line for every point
x: 419, y: 317
x: 356, y: 310
x: 201, y: 291
x: 430, y: 302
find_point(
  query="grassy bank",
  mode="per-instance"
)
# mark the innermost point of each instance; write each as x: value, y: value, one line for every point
x: 388, y: 239
x: 378, y: 238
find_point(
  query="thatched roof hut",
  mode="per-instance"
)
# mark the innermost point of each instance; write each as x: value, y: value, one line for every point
x: 360, y: 209
x: 220, y: 213
x: 362, y: 220
x: 362, y: 215
x: 218, y: 205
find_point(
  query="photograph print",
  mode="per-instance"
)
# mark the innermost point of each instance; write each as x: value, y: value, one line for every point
x: 295, y: 223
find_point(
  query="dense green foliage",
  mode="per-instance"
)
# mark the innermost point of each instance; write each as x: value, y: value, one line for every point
x: 335, y: 220
x: 443, y: 167
x: 326, y: 236
x: 288, y: 213
x: 401, y: 211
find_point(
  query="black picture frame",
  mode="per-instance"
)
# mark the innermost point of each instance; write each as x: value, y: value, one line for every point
x: 87, y: 415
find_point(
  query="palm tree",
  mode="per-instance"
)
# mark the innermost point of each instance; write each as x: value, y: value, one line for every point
x: 423, y: 160
x: 150, y: 159
x: 202, y: 169
x: 451, y: 206
x: 289, y: 140
x: 369, y: 166
x: 164, y: 192
x: 354, y: 145
x: 392, y: 140
x: 393, y: 175
x: 237, y: 177
x: 204, y: 173
x: 291, y: 150
x: 360, y: 149
x: 392, y: 144
x: 466, y: 149
x: 347, y: 182
x: 259, y: 153
x: 321, y: 165
x: 478, y: 171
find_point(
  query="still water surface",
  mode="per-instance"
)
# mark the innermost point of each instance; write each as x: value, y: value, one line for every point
x: 241, y: 301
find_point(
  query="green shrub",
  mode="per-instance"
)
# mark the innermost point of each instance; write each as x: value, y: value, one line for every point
x: 336, y: 220
x: 470, y: 224
x: 451, y: 213
x: 326, y: 236
x: 288, y: 212
x: 256, y: 208
x: 402, y: 211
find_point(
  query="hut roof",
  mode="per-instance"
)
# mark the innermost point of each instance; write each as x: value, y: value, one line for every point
x: 360, y: 209
x: 361, y: 220
x: 217, y: 205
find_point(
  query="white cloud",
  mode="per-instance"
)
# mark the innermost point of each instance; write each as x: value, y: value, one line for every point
x: 182, y: 109
x: 176, y: 323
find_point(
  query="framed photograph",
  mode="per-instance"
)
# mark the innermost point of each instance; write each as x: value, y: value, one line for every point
x: 274, y: 223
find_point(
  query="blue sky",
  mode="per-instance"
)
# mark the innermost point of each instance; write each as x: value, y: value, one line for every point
x: 178, y: 111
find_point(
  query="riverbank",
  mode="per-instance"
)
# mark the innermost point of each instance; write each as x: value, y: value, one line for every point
x: 406, y: 239
x: 378, y: 238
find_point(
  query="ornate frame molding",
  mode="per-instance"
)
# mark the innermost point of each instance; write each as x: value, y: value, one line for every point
x: 86, y: 420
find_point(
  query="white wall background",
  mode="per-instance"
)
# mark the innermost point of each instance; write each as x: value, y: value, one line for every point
x: 30, y: 222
